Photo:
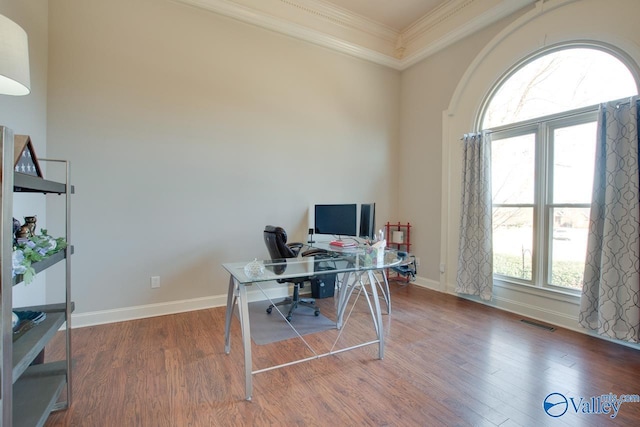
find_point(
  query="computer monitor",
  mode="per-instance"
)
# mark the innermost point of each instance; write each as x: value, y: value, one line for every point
x: 339, y: 220
x: 368, y: 220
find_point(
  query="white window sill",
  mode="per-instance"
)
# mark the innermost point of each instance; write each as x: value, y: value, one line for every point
x: 555, y: 294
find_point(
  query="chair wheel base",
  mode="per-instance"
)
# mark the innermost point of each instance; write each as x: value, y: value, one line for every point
x: 295, y: 302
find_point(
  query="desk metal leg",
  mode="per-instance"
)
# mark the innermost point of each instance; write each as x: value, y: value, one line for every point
x: 341, y: 291
x: 378, y: 313
x: 385, y: 290
x: 231, y: 302
x: 349, y: 282
x: 238, y: 293
x: 243, y: 306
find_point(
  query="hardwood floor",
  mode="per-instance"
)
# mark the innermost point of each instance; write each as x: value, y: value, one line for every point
x: 448, y: 362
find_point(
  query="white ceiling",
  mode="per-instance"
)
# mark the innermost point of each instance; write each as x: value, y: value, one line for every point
x: 396, y: 14
x: 393, y: 33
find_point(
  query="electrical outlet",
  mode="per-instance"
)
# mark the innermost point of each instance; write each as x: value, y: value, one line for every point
x: 442, y: 268
x: 155, y: 282
x: 417, y: 261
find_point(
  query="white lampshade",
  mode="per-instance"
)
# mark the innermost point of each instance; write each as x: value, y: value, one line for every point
x: 14, y: 59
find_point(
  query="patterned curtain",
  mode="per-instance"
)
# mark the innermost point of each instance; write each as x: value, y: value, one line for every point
x: 475, y: 255
x: 610, y: 303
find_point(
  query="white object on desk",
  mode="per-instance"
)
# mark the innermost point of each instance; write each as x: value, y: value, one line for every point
x: 254, y: 269
x: 379, y: 250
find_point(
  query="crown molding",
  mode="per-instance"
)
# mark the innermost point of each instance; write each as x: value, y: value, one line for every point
x: 241, y: 12
x: 327, y: 25
x: 343, y: 17
x: 453, y: 21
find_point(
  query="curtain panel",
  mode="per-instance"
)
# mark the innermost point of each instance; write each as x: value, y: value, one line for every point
x: 610, y: 302
x: 475, y: 251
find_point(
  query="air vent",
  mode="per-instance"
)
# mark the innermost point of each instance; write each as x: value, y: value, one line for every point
x: 538, y: 325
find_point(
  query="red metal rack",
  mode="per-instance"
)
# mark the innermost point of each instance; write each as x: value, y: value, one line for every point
x: 403, y: 244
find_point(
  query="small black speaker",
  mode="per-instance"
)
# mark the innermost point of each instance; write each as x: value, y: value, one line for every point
x: 324, y: 286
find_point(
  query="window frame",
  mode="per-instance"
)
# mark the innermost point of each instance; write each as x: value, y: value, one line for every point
x: 542, y: 128
x: 541, y: 267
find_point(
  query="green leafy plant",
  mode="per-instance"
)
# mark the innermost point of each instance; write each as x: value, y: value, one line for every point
x: 34, y: 249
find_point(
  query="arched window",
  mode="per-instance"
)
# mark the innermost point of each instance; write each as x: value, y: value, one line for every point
x: 542, y: 117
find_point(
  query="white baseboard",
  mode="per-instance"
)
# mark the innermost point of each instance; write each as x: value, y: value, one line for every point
x: 124, y: 314
x: 427, y: 283
x: 92, y: 318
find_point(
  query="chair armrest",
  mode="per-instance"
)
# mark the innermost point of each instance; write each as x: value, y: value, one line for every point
x: 295, y: 247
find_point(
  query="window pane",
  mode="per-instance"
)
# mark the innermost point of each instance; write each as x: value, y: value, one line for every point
x: 569, y: 246
x: 513, y: 170
x: 573, y: 163
x: 513, y: 242
x: 559, y: 81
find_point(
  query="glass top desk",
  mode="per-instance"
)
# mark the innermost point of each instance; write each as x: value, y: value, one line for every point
x: 356, y: 270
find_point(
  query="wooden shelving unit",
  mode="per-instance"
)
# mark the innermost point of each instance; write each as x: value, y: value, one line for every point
x: 408, y: 270
x: 30, y: 391
x: 406, y: 241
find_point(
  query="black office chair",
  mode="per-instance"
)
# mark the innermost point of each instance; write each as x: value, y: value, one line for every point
x: 275, y: 238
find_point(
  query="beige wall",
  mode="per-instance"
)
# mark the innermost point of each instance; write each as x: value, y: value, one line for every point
x: 426, y: 90
x: 189, y: 132
x: 27, y: 115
